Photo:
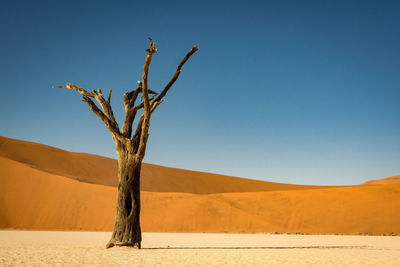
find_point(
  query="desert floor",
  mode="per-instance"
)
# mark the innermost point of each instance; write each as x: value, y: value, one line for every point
x: 52, y: 248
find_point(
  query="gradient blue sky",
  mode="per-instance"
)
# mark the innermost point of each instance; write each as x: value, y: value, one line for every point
x: 303, y: 92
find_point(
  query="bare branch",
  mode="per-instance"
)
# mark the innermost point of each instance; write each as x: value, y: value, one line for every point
x: 106, y: 115
x: 176, y: 74
x: 100, y: 93
x: 141, y: 105
x: 130, y: 111
x: 136, y: 137
x: 155, y: 104
x: 109, y: 97
x: 130, y: 115
x: 78, y: 89
x: 139, y: 139
x: 96, y: 110
x: 145, y: 93
x: 152, y: 92
x: 158, y: 100
x: 130, y: 97
x: 106, y: 106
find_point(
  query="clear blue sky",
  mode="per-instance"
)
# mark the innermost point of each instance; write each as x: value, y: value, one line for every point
x: 303, y: 92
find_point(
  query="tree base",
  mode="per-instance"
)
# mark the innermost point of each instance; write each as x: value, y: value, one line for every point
x: 113, y: 243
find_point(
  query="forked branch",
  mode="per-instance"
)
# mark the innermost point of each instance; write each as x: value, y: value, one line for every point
x: 139, y: 133
x: 139, y: 139
x: 106, y: 115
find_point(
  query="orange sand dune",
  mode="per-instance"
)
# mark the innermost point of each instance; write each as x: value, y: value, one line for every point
x: 389, y: 180
x: 100, y: 170
x: 34, y: 199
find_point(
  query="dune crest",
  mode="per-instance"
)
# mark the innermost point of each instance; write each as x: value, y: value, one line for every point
x: 389, y: 180
x: 101, y: 170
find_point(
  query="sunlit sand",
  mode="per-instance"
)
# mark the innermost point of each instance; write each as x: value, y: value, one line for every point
x: 51, y: 248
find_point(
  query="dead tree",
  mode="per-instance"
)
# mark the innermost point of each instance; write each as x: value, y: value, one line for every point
x: 130, y: 146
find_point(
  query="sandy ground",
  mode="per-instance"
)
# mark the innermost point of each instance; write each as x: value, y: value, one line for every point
x: 51, y: 248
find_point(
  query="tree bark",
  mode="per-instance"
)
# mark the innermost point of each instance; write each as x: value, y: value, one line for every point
x: 127, y: 231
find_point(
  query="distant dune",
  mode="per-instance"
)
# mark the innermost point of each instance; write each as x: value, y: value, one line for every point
x: 101, y: 170
x: 37, y: 192
x: 389, y: 180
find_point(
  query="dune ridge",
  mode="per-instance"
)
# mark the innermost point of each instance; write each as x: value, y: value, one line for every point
x: 101, y: 170
x: 32, y: 198
x: 388, y: 180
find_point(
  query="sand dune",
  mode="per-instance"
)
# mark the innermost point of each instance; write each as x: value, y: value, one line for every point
x: 34, y: 199
x: 84, y: 167
x: 100, y: 170
x: 389, y: 180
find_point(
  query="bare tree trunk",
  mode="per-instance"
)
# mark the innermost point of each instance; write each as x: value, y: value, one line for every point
x: 131, y: 147
x: 127, y: 230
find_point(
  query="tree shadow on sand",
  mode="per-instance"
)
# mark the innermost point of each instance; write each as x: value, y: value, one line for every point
x: 304, y: 247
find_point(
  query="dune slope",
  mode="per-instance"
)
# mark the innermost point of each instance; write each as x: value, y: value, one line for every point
x: 101, y: 170
x: 34, y: 199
